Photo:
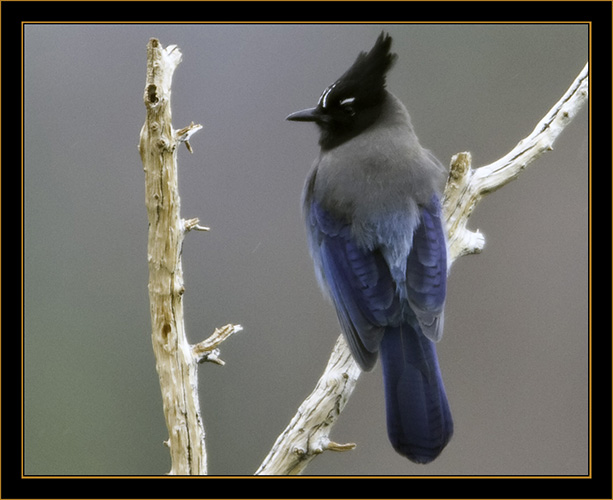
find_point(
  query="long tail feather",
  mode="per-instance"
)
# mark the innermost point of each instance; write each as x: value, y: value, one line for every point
x: 419, y: 422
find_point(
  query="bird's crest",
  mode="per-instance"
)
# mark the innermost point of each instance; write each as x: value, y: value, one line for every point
x: 366, y: 76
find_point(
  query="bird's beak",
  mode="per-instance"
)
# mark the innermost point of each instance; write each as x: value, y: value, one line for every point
x: 306, y: 115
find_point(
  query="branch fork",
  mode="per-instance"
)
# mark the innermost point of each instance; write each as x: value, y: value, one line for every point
x: 207, y: 350
x: 183, y: 135
x: 193, y: 225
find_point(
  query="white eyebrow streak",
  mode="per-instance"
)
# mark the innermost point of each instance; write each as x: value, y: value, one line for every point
x: 349, y: 100
x: 324, y: 96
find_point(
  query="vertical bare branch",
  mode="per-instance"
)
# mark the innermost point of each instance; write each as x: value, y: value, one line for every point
x: 175, y: 363
x: 176, y: 359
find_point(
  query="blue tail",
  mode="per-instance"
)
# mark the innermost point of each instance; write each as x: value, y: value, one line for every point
x: 419, y: 423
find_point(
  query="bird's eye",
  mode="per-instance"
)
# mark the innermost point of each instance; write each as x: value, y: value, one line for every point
x: 347, y: 106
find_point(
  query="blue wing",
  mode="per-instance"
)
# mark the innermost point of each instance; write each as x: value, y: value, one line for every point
x: 359, y: 283
x: 427, y: 272
x: 396, y: 311
x: 367, y: 295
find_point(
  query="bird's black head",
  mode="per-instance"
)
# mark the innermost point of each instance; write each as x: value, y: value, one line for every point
x: 353, y: 102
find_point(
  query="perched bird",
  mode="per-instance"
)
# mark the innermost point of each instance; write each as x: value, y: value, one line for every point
x: 373, y: 215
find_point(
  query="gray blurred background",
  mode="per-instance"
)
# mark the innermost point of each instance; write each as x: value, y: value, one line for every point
x: 514, y: 355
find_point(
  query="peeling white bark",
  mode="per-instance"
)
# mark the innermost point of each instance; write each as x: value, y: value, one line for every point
x: 466, y: 186
x: 307, y: 435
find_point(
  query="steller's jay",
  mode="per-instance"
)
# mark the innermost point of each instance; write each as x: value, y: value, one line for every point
x: 373, y: 216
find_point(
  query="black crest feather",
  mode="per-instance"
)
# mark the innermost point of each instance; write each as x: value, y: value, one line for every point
x: 354, y: 101
x: 369, y: 69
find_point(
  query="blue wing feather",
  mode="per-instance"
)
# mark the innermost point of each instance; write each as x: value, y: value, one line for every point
x: 359, y: 285
x: 373, y: 295
x: 427, y: 272
x: 395, y: 308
